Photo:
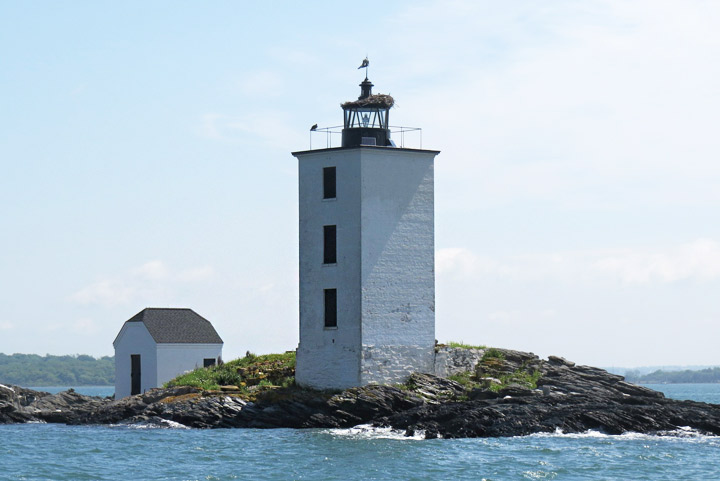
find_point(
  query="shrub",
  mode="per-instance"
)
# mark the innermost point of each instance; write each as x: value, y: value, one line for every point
x: 493, y: 353
x: 465, y: 378
x: 520, y: 377
x: 263, y: 371
x: 462, y: 345
x: 226, y: 377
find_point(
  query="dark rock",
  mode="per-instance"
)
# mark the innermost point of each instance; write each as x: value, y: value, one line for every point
x: 433, y: 389
x: 560, y: 361
x: 482, y: 394
x: 19, y: 404
x: 431, y: 433
x: 576, y: 399
x: 569, y: 397
x: 488, y: 382
x: 516, y: 390
x: 13, y: 400
x: 64, y: 407
x: 230, y: 388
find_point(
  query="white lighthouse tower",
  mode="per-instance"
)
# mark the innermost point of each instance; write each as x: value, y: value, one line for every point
x: 367, y: 255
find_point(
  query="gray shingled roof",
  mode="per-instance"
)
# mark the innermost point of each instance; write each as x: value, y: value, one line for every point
x: 171, y: 325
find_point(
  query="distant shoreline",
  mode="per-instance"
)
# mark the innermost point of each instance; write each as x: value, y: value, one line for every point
x: 646, y: 383
x: 50, y: 370
x: 90, y: 390
x: 67, y: 387
x: 701, y: 376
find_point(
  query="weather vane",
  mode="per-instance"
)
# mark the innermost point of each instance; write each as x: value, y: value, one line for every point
x: 364, y: 65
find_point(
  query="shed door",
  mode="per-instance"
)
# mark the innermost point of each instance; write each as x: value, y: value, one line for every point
x: 135, y: 374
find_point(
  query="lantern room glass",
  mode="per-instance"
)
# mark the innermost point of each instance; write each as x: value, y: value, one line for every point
x: 366, y: 118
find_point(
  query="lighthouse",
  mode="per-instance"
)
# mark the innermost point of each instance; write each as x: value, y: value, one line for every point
x: 367, y: 254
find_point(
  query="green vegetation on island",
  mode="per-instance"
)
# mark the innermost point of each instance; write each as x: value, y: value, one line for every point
x: 48, y: 370
x: 709, y: 375
x: 250, y: 375
x: 462, y: 345
x: 492, y: 373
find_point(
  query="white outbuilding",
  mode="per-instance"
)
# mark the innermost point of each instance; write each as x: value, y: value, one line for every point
x: 158, y: 344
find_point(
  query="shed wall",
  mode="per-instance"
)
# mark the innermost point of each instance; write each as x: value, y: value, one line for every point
x: 176, y: 359
x: 134, y: 338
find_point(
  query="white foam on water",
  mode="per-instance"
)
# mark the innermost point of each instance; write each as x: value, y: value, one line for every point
x: 687, y: 432
x: 367, y: 431
x: 539, y: 474
x: 154, y: 424
x: 684, y: 432
x: 559, y: 433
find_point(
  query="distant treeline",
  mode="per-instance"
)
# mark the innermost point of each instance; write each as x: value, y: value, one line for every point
x: 709, y: 375
x: 33, y: 370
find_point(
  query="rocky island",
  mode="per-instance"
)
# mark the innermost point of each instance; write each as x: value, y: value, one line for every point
x: 507, y: 393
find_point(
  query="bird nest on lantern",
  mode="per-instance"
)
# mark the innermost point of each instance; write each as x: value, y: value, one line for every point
x: 374, y: 101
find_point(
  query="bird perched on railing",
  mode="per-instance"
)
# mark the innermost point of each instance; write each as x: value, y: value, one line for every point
x: 314, y: 127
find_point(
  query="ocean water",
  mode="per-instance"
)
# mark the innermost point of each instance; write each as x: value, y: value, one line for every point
x: 57, y: 452
x: 40, y: 452
x: 707, y: 393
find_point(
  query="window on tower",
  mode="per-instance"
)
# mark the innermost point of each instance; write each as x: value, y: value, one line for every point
x: 330, y: 307
x: 329, y: 183
x: 329, y: 244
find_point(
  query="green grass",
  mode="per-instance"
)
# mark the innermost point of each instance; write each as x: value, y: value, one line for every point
x: 251, y: 373
x: 493, y: 353
x: 520, y: 377
x: 252, y: 360
x: 462, y: 345
x: 254, y: 375
x: 470, y: 381
x: 465, y: 378
x: 203, y: 378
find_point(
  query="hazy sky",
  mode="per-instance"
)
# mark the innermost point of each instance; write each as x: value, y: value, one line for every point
x: 145, y: 153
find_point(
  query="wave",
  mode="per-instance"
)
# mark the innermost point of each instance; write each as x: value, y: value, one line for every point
x: 153, y: 423
x: 368, y: 431
x: 684, y: 432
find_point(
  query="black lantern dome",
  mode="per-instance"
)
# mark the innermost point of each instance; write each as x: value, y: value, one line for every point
x: 367, y: 118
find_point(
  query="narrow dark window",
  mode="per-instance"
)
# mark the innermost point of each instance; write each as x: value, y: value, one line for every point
x: 328, y: 182
x: 329, y: 244
x: 209, y: 362
x: 135, y: 374
x: 330, y: 307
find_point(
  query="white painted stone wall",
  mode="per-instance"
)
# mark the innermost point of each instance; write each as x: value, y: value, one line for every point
x: 134, y: 338
x: 393, y: 363
x: 398, y: 264
x: 454, y: 360
x: 385, y: 270
x: 329, y: 357
x: 176, y: 359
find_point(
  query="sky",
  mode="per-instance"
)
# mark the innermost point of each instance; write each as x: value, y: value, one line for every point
x: 145, y: 161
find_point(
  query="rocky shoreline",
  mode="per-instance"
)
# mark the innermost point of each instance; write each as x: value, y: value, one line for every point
x: 566, y: 397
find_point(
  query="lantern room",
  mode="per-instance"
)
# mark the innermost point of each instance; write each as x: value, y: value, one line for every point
x: 367, y: 119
